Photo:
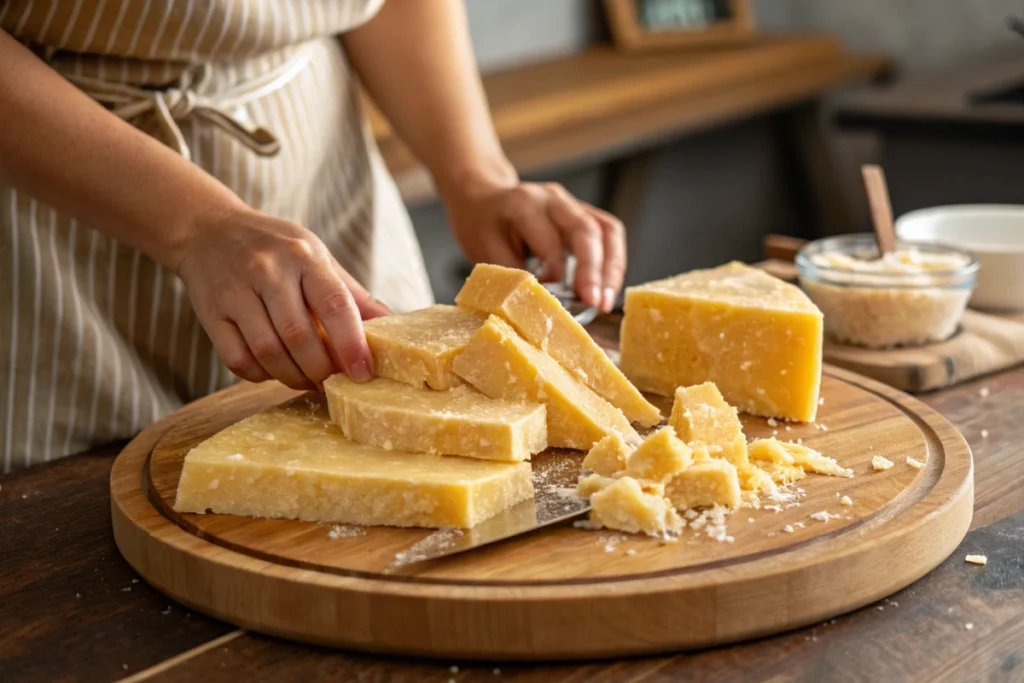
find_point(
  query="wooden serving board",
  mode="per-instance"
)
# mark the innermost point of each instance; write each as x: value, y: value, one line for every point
x: 984, y: 343
x: 562, y: 592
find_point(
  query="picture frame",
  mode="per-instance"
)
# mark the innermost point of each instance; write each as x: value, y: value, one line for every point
x: 639, y: 25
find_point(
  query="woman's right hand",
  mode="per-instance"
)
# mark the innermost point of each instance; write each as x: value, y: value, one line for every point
x: 263, y: 288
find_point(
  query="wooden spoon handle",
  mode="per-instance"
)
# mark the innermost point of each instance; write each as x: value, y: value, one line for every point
x: 881, y: 208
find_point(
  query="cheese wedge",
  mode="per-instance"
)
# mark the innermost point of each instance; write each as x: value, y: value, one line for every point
x: 624, y: 506
x: 607, y: 457
x: 660, y: 457
x: 756, y: 337
x: 699, y: 413
x: 516, y: 296
x: 498, y: 362
x: 705, y: 485
x: 456, y: 421
x: 418, y: 347
x: 290, y: 461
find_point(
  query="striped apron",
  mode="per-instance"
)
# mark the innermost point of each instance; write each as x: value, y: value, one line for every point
x: 102, y: 340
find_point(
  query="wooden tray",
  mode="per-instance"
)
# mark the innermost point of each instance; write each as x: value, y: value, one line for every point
x: 985, y: 342
x: 562, y: 593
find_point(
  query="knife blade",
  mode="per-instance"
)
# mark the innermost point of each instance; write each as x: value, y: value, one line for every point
x: 555, y: 501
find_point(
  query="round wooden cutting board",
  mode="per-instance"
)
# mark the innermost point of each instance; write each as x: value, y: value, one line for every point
x: 563, y: 592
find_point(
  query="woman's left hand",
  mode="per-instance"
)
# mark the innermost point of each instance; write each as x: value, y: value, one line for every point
x: 495, y: 225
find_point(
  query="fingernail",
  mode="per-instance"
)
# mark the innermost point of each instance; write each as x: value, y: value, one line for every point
x: 595, y: 296
x: 609, y: 299
x: 360, y: 371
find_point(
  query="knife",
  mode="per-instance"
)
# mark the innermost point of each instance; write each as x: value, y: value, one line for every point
x: 555, y: 501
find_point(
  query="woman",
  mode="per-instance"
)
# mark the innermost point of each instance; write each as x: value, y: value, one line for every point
x: 187, y: 191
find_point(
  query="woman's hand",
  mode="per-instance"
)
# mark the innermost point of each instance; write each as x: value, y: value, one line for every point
x: 495, y: 225
x: 274, y: 301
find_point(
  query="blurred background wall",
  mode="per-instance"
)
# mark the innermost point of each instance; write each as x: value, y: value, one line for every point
x: 711, y: 197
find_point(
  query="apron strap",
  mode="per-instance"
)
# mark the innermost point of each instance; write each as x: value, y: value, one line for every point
x: 174, y: 104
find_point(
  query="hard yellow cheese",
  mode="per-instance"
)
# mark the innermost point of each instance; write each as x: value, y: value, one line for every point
x: 607, y: 457
x: 623, y: 505
x: 660, y: 457
x: 700, y: 414
x: 498, y: 362
x: 290, y: 461
x: 538, y: 317
x: 456, y: 421
x: 704, y: 485
x: 758, y: 338
x: 418, y: 347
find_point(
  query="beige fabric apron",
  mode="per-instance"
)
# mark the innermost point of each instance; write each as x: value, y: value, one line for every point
x: 101, y: 340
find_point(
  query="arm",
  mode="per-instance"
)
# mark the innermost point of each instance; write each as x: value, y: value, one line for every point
x: 416, y: 60
x: 62, y: 148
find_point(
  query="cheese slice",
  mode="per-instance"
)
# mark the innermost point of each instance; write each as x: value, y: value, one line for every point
x: 624, y: 506
x: 498, y: 362
x: 758, y: 338
x: 540, y: 319
x: 290, y: 461
x: 699, y: 413
x: 660, y: 457
x: 705, y: 485
x: 456, y: 421
x: 607, y: 457
x: 418, y: 347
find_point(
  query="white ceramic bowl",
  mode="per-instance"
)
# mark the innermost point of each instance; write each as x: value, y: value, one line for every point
x: 993, y: 233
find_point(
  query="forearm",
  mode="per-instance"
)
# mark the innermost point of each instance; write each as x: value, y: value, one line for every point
x: 62, y: 148
x: 416, y: 60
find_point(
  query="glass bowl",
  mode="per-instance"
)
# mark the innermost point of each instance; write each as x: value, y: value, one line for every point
x: 915, y: 296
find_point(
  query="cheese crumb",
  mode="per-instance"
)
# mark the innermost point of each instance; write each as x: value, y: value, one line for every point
x: 976, y: 559
x: 454, y: 669
x: 968, y: 626
x: 916, y: 464
x: 878, y: 463
x: 823, y: 516
x: 631, y: 551
x: 821, y: 401
x: 983, y: 392
x: 846, y: 500
x: 496, y: 672
x: 788, y: 529
x: 236, y: 456
x: 984, y: 433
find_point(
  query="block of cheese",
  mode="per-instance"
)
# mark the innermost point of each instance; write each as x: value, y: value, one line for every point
x: 758, y: 338
x: 498, y: 362
x: 457, y: 421
x: 607, y: 457
x: 591, y: 484
x: 705, y: 485
x: 769, y: 450
x: 418, y: 347
x: 624, y: 506
x: 517, y: 297
x: 660, y: 457
x: 290, y: 461
x: 699, y: 413
x: 811, y: 460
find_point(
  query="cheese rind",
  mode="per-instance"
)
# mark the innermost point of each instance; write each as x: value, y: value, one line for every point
x: 296, y: 464
x: 624, y: 506
x: 705, y: 485
x: 498, y: 362
x: 700, y: 413
x: 418, y: 347
x: 608, y: 456
x: 758, y: 338
x: 540, y: 319
x: 456, y: 421
x: 660, y: 457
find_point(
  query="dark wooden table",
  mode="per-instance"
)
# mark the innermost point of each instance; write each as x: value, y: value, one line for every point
x: 72, y: 609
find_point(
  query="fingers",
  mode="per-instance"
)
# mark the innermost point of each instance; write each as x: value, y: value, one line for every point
x: 260, y: 335
x: 295, y: 327
x: 334, y: 306
x: 614, y: 270
x: 585, y: 237
x: 527, y: 211
x: 233, y: 350
x: 369, y: 306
